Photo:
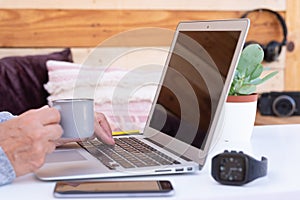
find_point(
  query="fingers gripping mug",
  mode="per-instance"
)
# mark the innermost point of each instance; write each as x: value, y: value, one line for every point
x: 77, y: 117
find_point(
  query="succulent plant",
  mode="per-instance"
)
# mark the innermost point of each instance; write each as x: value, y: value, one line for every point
x: 248, y: 71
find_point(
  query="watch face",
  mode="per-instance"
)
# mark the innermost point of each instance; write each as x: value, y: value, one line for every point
x: 232, y: 168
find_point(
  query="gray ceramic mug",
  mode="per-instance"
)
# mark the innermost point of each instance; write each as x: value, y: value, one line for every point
x: 77, y: 117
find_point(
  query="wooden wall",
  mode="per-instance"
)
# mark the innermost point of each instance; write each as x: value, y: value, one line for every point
x: 87, y: 23
x: 29, y: 24
x: 292, y: 65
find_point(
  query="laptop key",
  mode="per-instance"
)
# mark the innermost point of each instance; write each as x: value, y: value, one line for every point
x: 128, y: 153
x: 151, y: 152
x: 102, y: 157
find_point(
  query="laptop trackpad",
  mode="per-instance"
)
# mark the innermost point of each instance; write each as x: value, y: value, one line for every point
x: 64, y: 156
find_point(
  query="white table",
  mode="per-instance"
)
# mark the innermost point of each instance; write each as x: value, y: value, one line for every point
x: 279, y: 143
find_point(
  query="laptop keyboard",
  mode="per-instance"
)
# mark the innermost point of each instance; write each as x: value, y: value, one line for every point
x: 128, y: 152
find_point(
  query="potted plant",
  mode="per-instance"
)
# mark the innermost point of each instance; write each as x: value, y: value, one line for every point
x: 240, y: 107
x: 248, y: 72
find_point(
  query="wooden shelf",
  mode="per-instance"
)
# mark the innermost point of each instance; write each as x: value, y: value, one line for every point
x: 269, y: 120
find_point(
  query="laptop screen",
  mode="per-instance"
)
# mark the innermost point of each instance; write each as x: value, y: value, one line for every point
x: 193, y: 83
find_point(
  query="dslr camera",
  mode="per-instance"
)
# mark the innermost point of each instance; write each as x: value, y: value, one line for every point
x: 281, y: 104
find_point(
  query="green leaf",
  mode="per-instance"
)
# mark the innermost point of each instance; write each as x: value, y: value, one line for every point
x: 256, y: 81
x: 257, y: 71
x: 231, y: 91
x: 239, y: 84
x: 251, y: 56
x: 240, y: 71
x: 267, y: 77
x: 247, y: 89
x: 264, y: 79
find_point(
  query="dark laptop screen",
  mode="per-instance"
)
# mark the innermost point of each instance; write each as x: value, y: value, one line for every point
x: 193, y: 83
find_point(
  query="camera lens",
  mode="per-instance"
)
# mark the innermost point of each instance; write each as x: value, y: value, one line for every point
x: 284, y: 106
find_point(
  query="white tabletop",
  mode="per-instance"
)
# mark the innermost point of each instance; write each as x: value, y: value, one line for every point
x: 279, y: 143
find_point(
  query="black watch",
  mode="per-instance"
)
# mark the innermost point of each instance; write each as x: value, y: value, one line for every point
x: 237, y: 168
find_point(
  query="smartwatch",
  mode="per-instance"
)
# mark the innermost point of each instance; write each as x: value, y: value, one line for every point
x: 237, y: 168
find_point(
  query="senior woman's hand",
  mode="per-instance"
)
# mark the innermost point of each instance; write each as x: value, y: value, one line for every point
x: 28, y: 138
x: 102, y: 131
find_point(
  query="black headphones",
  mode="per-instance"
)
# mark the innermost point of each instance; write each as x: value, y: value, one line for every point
x: 273, y: 49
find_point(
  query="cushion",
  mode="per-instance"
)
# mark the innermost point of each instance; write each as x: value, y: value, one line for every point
x: 123, y: 95
x: 22, y: 79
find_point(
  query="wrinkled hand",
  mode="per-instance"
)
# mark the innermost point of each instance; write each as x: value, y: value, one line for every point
x: 27, y: 139
x: 102, y: 131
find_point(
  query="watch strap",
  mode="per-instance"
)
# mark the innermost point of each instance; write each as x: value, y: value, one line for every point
x: 257, y: 168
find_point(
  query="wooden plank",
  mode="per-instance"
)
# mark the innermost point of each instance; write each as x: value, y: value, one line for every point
x: 267, y: 120
x: 292, y: 80
x: 274, y: 84
x: 4, y: 52
x: 130, y: 57
x: 89, y: 28
x: 229, y: 5
x: 79, y: 54
x: 277, y: 82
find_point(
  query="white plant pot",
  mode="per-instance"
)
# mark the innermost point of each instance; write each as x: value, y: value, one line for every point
x: 236, y: 122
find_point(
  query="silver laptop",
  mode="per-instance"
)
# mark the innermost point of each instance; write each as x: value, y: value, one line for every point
x: 183, y: 119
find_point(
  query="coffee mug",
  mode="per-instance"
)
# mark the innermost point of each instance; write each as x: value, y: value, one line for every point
x: 77, y: 117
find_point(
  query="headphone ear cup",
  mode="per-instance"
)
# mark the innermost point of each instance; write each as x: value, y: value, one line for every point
x: 272, y: 51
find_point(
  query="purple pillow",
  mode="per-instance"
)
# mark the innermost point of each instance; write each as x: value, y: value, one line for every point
x: 22, y: 80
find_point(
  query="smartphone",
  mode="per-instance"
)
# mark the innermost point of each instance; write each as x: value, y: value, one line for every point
x: 143, y: 188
